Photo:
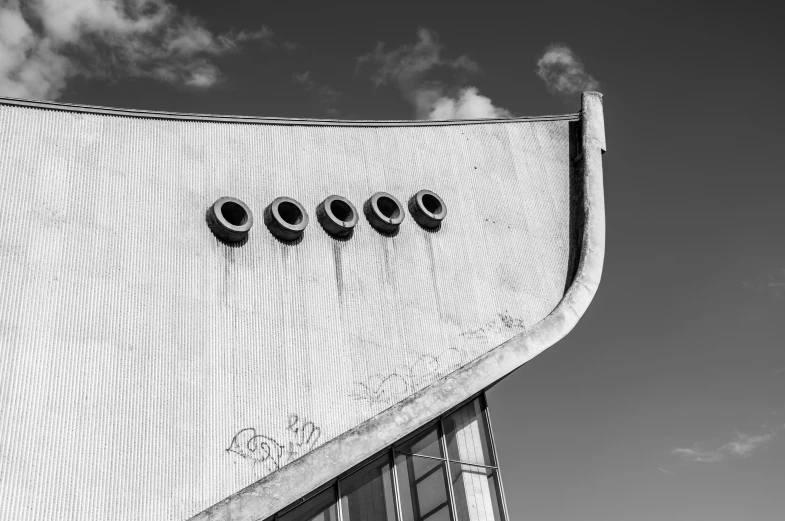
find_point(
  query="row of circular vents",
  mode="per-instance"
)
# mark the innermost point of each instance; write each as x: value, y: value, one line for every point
x: 230, y: 219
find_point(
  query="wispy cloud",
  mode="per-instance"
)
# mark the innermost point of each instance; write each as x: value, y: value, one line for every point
x: 410, y: 67
x: 323, y: 93
x: 774, y: 285
x: 563, y: 72
x: 741, y: 446
x: 44, y: 43
x: 665, y: 471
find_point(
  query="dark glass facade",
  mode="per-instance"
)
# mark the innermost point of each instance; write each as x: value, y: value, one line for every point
x: 446, y: 471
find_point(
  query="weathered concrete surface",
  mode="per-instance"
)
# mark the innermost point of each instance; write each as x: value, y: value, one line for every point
x: 149, y: 371
x: 313, y: 470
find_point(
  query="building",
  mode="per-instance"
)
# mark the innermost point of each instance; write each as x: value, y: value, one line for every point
x: 191, y: 328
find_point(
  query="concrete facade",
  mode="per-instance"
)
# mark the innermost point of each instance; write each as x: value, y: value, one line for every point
x: 140, y: 356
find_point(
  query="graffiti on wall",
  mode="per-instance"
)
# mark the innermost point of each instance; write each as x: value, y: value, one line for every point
x: 301, y: 437
x: 501, y: 324
x: 407, y: 379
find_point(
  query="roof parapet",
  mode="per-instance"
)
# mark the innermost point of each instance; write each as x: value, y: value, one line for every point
x: 593, y: 119
x: 210, y: 118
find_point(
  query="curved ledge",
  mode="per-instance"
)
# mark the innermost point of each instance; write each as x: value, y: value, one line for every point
x: 324, y: 463
x: 151, y: 114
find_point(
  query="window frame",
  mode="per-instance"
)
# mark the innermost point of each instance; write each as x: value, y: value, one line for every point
x: 393, y: 450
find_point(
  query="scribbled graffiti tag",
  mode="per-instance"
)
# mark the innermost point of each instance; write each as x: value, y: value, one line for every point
x: 502, y: 323
x: 301, y: 437
x: 407, y: 379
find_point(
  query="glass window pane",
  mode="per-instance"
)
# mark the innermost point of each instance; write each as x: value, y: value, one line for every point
x: 467, y: 435
x: 423, y: 487
x: 321, y: 507
x: 426, y: 443
x: 476, y: 493
x: 367, y: 495
x: 493, y: 483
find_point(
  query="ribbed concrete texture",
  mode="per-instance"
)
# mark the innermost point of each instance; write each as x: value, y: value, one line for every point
x: 147, y: 371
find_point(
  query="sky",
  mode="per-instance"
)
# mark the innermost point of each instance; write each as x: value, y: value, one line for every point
x: 668, y: 399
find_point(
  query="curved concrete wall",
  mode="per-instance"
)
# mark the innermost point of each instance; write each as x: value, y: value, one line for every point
x: 149, y: 371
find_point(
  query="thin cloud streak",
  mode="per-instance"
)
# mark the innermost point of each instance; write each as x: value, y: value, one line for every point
x: 563, y: 72
x: 774, y: 285
x: 409, y: 66
x: 44, y: 43
x: 740, y: 447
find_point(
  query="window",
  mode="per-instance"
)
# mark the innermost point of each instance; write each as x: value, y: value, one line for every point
x: 368, y: 493
x: 472, y: 469
x: 320, y: 507
x: 422, y: 478
x: 444, y: 472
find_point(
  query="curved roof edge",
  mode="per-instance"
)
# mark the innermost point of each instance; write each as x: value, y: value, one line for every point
x: 323, y: 464
x: 150, y: 114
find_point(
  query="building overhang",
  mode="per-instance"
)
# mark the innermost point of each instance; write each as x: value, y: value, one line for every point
x: 328, y: 461
x: 129, y: 319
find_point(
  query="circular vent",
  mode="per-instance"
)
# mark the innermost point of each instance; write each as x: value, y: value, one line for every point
x: 384, y: 212
x: 230, y: 219
x: 286, y: 218
x: 337, y: 215
x: 428, y: 209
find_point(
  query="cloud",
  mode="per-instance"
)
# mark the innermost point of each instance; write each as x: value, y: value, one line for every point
x: 407, y: 64
x: 409, y: 67
x: 44, y: 43
x: 665, y: 471
x: 774, y: 286
x: 468, y: 104
x: 322, y: 93
x: 563, y: 72
x: 741, y: 447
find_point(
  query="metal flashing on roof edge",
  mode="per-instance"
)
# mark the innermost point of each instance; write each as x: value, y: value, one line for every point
x: 276, y: 491
x: 214, y: 118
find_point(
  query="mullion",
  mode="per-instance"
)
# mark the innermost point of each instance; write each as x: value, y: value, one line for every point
x: 420, y: 455
x: 448, y: 460
x: 492, y: 448
x: 443, y: 439
x: 413, y: 492
x: 396, y: 486
x: 339, y: 506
